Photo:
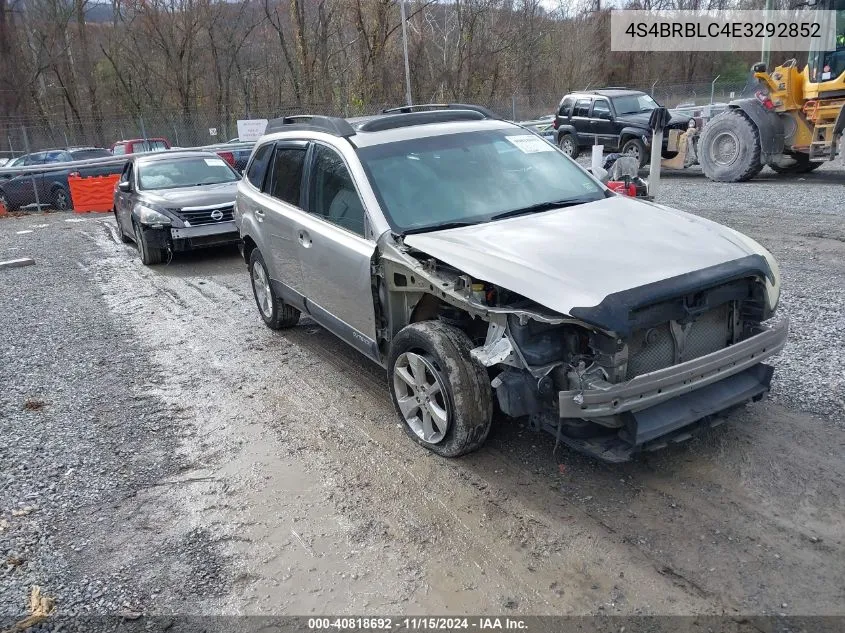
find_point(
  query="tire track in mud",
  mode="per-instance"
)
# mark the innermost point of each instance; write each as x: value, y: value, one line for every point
x: 592, y: 537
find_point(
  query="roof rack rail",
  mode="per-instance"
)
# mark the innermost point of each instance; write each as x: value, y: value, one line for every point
x: 329, y: 124
x: 407, y: 119
x: 440, y: 106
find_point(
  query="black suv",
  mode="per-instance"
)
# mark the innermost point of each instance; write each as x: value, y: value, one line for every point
x: 616, y: 117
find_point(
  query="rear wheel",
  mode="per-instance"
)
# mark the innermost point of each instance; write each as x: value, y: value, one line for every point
x: 729, y: 150
x: 635, y: 148
x: 568, y: 145
x: 120, y: 232
x: 442, y: 396
x: 276, y: 314
x: 801, y: 165
x: 60, y: 199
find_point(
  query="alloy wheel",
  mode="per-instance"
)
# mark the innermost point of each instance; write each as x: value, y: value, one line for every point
x: 261, y: 286
x: 421, y: 396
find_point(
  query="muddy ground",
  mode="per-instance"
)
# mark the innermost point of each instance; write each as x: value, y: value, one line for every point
x: 164, y: 452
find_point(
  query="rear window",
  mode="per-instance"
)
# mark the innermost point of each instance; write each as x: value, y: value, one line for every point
x: 258, y: 166
x: 86, y: 154
x: 566, y: 107
x: 287, y: 174
x: 582, y: 108
x: 119, y: 150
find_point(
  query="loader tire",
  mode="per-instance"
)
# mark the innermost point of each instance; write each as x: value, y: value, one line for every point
x: 802, y: 165
x: 729, y: 150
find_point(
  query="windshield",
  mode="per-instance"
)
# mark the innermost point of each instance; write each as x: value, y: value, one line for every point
x: 184, y: 172
x: 632, y: 104
x: 468, y: 178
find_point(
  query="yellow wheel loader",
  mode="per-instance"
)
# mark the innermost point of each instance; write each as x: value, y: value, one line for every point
x: 794, y: 123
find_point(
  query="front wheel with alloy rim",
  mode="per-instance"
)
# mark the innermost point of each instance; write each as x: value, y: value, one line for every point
x: 568, y: 145
x: 150, y: 256
x: 275, y: 314
x: 442, y: 396
x: 635, y: 148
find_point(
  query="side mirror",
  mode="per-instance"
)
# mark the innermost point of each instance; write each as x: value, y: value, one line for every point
x: 125, y: 186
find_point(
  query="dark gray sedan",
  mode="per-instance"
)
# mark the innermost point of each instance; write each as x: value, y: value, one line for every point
x: 175, y: 201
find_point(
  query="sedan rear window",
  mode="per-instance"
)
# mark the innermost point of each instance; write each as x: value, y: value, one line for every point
x: 184, y: 172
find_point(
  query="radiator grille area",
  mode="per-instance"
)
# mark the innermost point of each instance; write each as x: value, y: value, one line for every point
x: 655, y: 348
x: 198, y: 217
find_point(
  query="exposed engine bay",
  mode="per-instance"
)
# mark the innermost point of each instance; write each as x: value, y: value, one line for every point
x: 549, y: 366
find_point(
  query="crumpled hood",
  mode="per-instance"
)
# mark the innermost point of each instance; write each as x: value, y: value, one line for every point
x: 575, y: 257
x: 200, y: 196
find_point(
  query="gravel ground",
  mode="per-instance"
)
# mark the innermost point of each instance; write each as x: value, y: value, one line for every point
x: 164, y: 453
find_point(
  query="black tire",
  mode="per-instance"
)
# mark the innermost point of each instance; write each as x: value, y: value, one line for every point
x: 729, y: 149
x: 60, y: 199
x: 149, y: 256
x: 5, y: 202
x: 636, y: 148
x: 568, y: 145
x: 802, y: 165
x: 275, y: 314
x: 468, y: 397
x: 120, y: 232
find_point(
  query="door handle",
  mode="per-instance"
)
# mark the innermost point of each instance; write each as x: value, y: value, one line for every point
x: 304, y: 239
x: 259, y: 215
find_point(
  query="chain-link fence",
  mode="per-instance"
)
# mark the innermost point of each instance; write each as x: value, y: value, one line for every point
x: 20, y: 135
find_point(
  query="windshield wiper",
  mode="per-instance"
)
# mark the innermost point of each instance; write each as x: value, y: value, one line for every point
x: 542, y: 206
x: 439, y: 227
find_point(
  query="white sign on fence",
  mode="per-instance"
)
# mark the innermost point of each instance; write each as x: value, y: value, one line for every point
x: 212, y: 131
x: 251, y: 129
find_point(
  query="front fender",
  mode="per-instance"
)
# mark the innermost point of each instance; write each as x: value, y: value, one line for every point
x: 631, y: 131
x: 769, y: 126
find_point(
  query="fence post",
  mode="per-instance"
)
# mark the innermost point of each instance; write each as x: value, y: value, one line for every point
x: 513, y: 106
x: 713, y: 88
x: 143, y: 131
x: 25, y: 139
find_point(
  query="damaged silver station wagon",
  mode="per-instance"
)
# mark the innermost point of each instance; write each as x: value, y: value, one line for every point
x: 479, y: 264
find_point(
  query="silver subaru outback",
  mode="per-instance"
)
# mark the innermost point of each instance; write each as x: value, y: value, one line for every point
x: 477, y: 263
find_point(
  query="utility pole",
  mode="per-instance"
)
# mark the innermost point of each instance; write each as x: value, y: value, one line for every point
x: 767, y: 45
x: 408, y: 99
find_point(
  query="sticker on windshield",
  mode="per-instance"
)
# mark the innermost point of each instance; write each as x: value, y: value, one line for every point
x: 530, y: 144
x: 215, y: 162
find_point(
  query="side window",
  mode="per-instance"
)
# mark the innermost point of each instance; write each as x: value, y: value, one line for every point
x: 157, y: 146
x: 126, y: 176
x: 119, y: 149
x: 566, y: 107
x: 286, y: 177
x: 333, y: 195
x: 258, y: 166
x: 582, y: 108
x: 34, y: 159
x: 601, y: 109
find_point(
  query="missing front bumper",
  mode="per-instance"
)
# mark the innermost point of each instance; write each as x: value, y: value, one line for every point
x: 649, y: 390
x: 675, y: 420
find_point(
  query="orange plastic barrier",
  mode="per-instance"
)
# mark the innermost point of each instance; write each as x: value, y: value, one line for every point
x: 2, y: 210
x: 95, y: 193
